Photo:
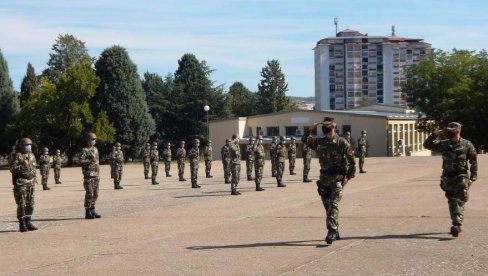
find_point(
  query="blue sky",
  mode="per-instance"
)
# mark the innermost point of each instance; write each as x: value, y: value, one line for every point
x: 235, y: 37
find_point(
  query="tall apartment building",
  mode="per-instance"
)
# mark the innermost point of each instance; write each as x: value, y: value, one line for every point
x: 352, y: 69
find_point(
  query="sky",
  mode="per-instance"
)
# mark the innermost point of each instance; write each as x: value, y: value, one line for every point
x: 235, y: 37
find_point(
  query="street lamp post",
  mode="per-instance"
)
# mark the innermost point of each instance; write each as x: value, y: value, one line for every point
x: 207, y: 108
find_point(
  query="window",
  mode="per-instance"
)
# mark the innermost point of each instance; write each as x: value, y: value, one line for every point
x: 259, y: 131
x: 272, y: 131
x: 291, y: 131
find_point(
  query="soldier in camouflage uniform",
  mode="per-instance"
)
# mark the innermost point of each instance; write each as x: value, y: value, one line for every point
x: 118, y: 164
x: 272, y: 148
x: 207, y: 155
x: 292, y: 155
x: 23, y: 168
x: 259, y: 162
x: 154, y: 159
x: 225, y: 154
x: 235, y: 164
x: 455, y: 180
x: 194, y: 156
x: 250, y: 158
x: 57, y: 161
x: 279, y: 158
x: 146, y: 160
x: 337, y: 166
x: 44, y: 167
x: 180, y: 159
x: 90, y: 167
x: 307, y: 159
x: 362, y: 150
x: 167, y: 159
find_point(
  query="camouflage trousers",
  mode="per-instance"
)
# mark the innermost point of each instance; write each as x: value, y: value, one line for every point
x: 167, y: 167
x: 292, y: 163
x: 226, y: 165
x: 361, y: 161
x: 147, y: 165
x: 249, y: 166
x: 235, y: 170
x: 258, y: 171
x: 280, y: 168
x: 181, y: 168
x: 154, y: 170
x: 273, y: 166
x: 117, y: 173
x: 24, y: 197
x: 193, y: 170
x: 44, y: 175
x: 330, y: 191
x: 306, y: 166
x: 57, y: 174
x: 208, y: 167
x: 91, y: 191
x: 456, y: 189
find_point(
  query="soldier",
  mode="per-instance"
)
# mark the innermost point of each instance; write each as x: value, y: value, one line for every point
x: 207, y: 155
x: 146, y: 160
x: 307, y: 159
x: 44, y: 167
x: 250, y: 158
x: 225, y: 154
x: 194, y: 156
x: 167, y: 159
x: 235, y: 164
x: 57, y: 161
x: 259, y: 162
x: 347, y: 136
x: 272, y: 148
x: 337, y: 166
x: 23, y: 168
x: 118, y: 164
x: 362, y: 150
x: 154, y: 159
x: 180, y: 159
x: 90, y: 167
x: 279, y: 158
x: 455, y: 180
x: 292, y: 155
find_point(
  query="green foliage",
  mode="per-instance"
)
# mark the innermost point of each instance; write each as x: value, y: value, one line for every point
x: 120, y: 94
x: 29, y: 83
x: 9, y: 104
x: 242, y: 100
x: 452, y: 87
x: 271, y: 96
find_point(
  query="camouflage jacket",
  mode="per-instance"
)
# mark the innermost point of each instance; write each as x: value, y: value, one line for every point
x: 280, y: 153
x: 57, y: 161
x: 180, y: 154
x: 24, y: 176
x: 118, y: 158
x: 207, y: 153
x: 362, y: 146
x: 292, y: 150
x: 89, y: 160
x: 193, y: 155
x: 455, y: 155
x: 44, y: 162
x: 225, y: 153
x: 167, y: 154
x: 259, y: 154
x: 306, y: 150
x: 250, y: 152
x: 272, y: 149
x: 154, y: 156
x: 146, y: 157
x: 235, y: 154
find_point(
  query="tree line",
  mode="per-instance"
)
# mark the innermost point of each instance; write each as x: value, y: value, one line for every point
x: 77, y: 93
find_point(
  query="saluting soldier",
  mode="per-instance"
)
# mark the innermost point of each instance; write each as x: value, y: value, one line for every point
x: 225, y: 154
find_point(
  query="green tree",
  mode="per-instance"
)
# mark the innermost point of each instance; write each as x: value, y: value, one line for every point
x: 271, y: 95
x: 29, y: 83
x: 120, y: 94
x: 9, y: 104
x: 66, y: 52
x: 241, y: 99
x: 451, y: 87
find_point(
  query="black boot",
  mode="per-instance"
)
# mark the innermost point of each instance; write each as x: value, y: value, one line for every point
x: 146, y: 176
x: 455, y: 230
x: 94, y: 213
x: 306, y: 179
x: 293, y: 173
x: 182, y: 179
x: 154, y: 182
x: 250, y: 178
x: 22, y: 226
x: 235, y: 192
x: 227, y: 181
x: 88, y: 214
x: 45, y: 187
x: 195, y: 185
x: 332, y: 235
x: 168, y: 175
x: 30, y: 226
x: 281, y: 184
x: 117, y: 185
x: 258, y: 187
x: 58, y: 182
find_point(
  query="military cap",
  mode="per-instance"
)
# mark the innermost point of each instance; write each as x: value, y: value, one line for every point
x: 91, y: 136
x: 292, y: 138
x: 209, y: 141
x: 155, y: 143
x: 168, y: 144
x: 234, y: 136
x: 25, y: 141
x: 252, y: 139
x: 282, y: 138
x: 274, y: 138
x: 363, y: 131
x: 196, y: 140
x: 148, y: 144
x: 227, y: 140
x: 182, y: 142
x: 453, y: 126
x: 45, y: 150
x: 118, y: 144
x: 259, y: 137
x: 58, y: 151
x: 328, y: 119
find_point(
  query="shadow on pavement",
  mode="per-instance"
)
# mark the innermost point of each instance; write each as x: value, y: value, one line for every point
x: 426, y: 236
x: 307, y: 243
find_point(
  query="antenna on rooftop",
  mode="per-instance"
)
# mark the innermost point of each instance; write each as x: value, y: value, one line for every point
x: 393, y: 30
x: 336, y: 21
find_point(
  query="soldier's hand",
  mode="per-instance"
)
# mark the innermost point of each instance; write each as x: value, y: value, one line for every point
x: 26, y: 163
x: 314, y: 126
x: 439, y: 132
x: 469, y: 183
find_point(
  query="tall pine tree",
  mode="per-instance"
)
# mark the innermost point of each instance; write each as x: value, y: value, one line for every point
x: 120, y: 94
x: 29, y: 83
x: 9, y: 104
x: 272, y: 89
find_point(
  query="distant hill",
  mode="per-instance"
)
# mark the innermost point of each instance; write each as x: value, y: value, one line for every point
x: 310, y: 100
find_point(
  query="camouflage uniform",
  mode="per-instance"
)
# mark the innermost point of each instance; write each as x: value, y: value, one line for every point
x: 154, y: 159
x: 23, y: 168
x: 167, y: 159
x: 362, y: 150
x: 11, y: 159
x: 44, y: 167
x: 250, y: 158
x: 235, y: 165
x: 194, y: 156
x: 146, y: 160
x: 279, y: 158
x: 272, y: 148
x: 292, y: 155
x: 207, y: 155
x: 180, y: 159
x: 307, y: 159
x: 455, y: 179
x: 225, y: 154
x: 117, y: 167
x: 337, y: 165
x: 57, y: 162
x: 90, y: 167
x: 259, y: 163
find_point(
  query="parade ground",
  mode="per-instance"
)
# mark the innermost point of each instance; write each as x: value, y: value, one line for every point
x: 394, y: 220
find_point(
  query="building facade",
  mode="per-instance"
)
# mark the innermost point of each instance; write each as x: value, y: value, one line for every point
x: 354, y: 69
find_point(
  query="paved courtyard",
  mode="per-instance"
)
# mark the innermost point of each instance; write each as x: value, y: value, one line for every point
x: 394, y: 220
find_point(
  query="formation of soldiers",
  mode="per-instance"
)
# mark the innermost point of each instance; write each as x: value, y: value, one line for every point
x: 335, y: 156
